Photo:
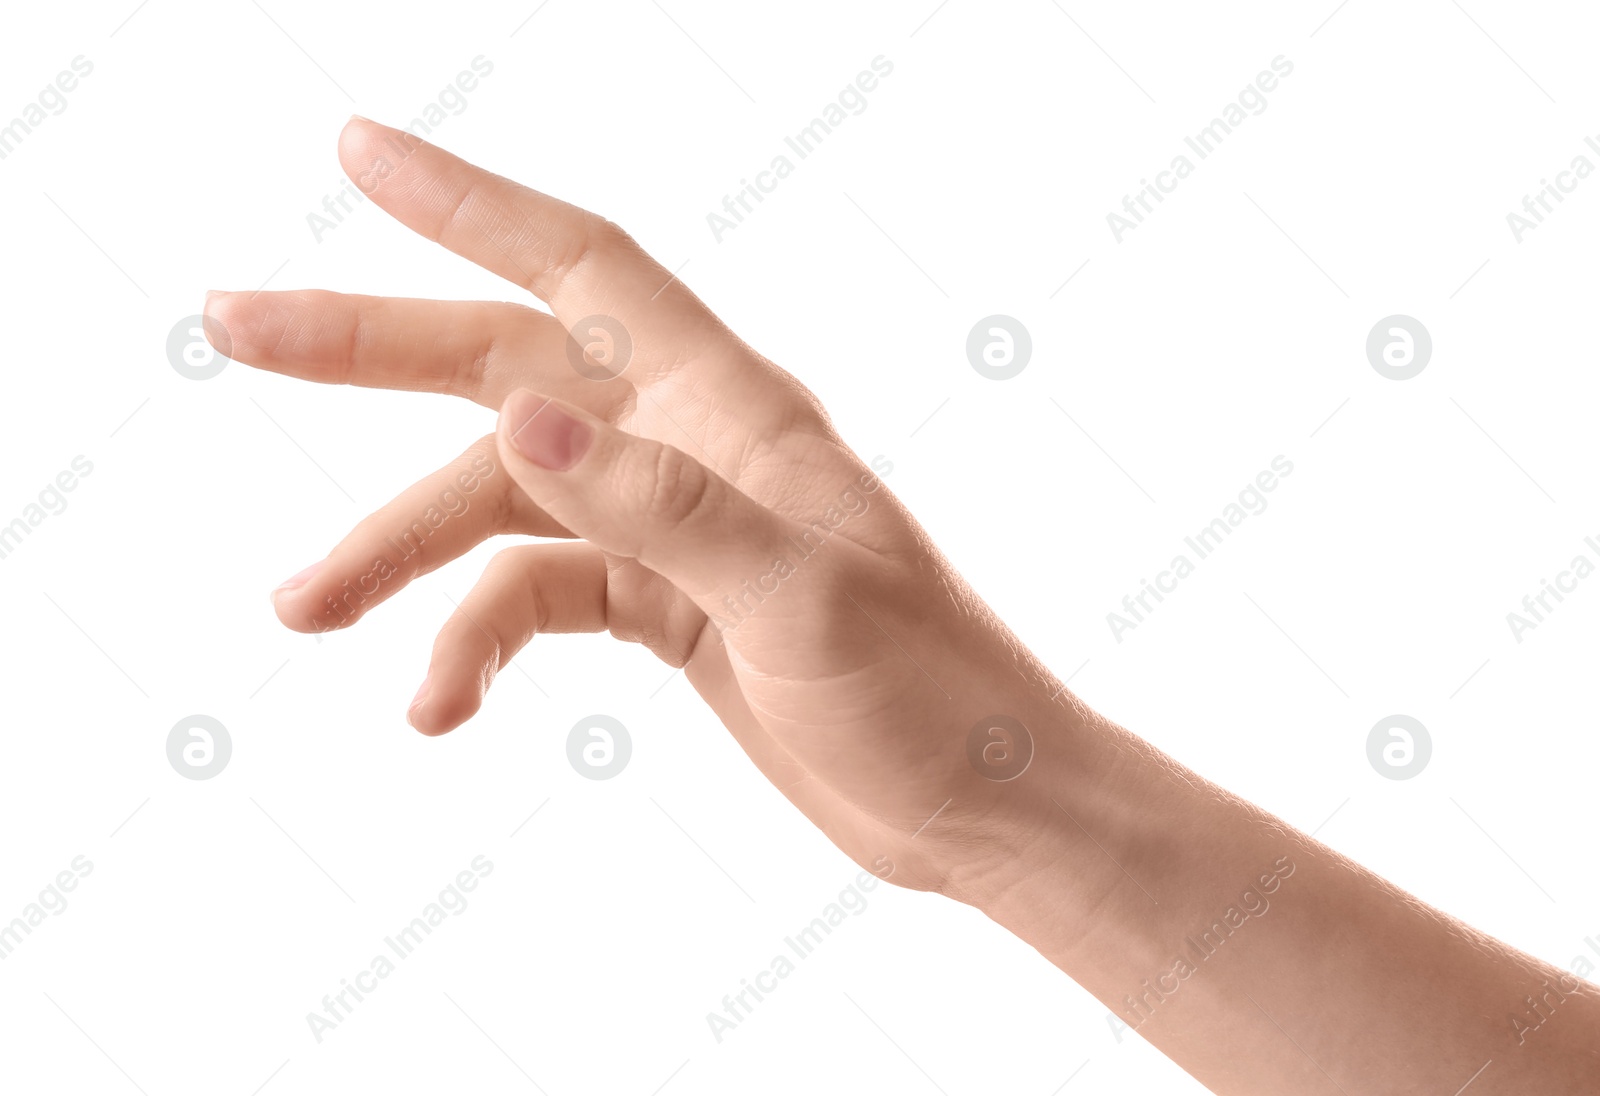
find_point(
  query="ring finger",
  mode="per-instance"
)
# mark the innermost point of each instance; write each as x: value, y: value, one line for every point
x: 439, y: 518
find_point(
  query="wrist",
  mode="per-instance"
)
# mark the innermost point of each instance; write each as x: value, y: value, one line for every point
x: 1076, y: 855
x: 1101, y: 853
x: 1022, y: 833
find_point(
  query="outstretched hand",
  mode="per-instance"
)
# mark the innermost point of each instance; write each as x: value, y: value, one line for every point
x: 704, y: 505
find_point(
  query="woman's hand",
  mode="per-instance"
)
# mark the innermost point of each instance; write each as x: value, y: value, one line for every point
x: 719, y: 518
x: 713, y: 514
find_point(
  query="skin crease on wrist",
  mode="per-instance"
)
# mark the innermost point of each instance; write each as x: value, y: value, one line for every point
x: 694, y: 497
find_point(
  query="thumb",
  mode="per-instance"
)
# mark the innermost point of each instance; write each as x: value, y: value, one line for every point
x: 639, y: 498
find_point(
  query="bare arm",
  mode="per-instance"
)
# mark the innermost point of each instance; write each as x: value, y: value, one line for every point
x: 709, y: 510
x: 1258, y: 959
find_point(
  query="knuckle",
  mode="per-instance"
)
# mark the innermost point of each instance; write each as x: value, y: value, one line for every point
x: 802, y: 414
x: 608, y: 234
x: 599, y: 237
x: 535, y: 598
x: 454, y: 212
x: 798, y: 408
x: 648, y: 610
x: 680, y: 488
x: 607, y: 237
x: 483, y: 631
x: 466, y: 377
x: 522, y: 576
x: 509, y: 561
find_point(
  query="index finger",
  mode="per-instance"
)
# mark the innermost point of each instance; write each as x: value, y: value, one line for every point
x: 581, y: 264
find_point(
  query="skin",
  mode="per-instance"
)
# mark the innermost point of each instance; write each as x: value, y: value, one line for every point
x: 856, y: 677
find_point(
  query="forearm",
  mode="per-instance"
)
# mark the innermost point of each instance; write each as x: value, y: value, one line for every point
x: 1256, y: 958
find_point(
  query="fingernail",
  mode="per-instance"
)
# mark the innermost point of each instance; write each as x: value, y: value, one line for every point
x: 359, y: 118
x: 416, y: 701
x: 295, y: 581
x: 545, y: 434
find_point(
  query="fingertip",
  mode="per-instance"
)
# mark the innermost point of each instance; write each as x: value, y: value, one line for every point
x: 414, y: 712
x: 286, y: 616
x: 354, y: 125
x: 544, y: 431
x: 440, y: 706
x: 355, y: 141
x: 219, y: 318
x: 301, y: 577
x: 516, y: 410
x: 371, y: 151
x: 518, y: 407
x: 289, y: 601
x: 217, y: 301
x: 424, y: 723
x: 299, y: 612
x: 295, y: 618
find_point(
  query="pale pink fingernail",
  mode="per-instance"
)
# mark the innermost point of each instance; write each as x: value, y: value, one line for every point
x: 416, y: 701
x: 295, y: 581
x: 544, y: 433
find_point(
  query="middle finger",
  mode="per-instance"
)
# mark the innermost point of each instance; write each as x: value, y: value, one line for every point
x: 479, y: 350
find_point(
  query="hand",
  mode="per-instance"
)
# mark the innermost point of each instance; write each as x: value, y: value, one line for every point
x: 711, y: 510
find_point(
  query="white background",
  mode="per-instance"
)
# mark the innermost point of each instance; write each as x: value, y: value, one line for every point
x: 1224, y: 331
